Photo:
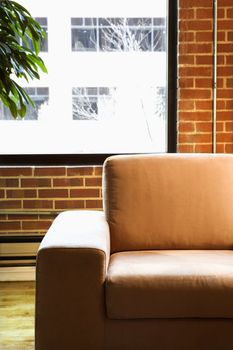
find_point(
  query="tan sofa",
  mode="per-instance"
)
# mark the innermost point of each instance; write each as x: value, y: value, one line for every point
x: 154, y: 271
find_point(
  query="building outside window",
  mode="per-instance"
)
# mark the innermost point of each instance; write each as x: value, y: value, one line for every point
x: 93, y: 103
x: 107, y: 80
x: 118, y: 34
x: 39, y: 95
x: 43, y: 21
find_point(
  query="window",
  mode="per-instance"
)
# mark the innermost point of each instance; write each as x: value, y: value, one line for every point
x: 118, y: 34
x: 39, y: 95
x: 43, y: 21
x: 111, y: 81
x: 93, y: 103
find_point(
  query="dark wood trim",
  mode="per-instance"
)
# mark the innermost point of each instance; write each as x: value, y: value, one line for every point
x: 17, y: 257
x: 172, y: 75
x: 21, y: 238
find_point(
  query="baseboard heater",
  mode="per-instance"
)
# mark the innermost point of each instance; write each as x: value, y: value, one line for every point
x: 18, y: 250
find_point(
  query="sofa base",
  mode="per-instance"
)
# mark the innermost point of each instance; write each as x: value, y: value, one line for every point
x: 169, y: 334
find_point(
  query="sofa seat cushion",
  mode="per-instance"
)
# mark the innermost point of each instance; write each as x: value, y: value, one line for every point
x: 170, y: 284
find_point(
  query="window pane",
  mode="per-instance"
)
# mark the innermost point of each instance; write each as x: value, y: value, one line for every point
x: 84, y: 40
x: 159, y: 41
x: 141, y: 39
x: 107, y: 81
x: 93, y: 103
x: 39, y: 96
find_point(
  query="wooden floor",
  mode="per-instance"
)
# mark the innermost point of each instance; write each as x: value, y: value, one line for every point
x: 17, y: 315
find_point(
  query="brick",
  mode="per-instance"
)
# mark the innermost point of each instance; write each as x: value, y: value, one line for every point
x: 186, y: 13
x: 220, y: 126
x: 195, y: 93
x: 221, y: 59
x: 36, y: 182
x: 195, y: 138
x: 186, y: 37
x: 195, y: 71
x: 50, y: 171
x: 10, y: 204
x: 94, y: 204
x: 225, y: 137
x: 204, y: 13
x: 227, y: 3
x: 68, y: 182
x: 93, y: 181
x: 230, y: 36
x: 15, y: 171
x: 229, y: 126
x: 186, y: 127
x: 36, y: 225
x: 69, y: 204
x: 84, y: 193
x: 195, y: 48
x: 203, y: 104
x: 203, y: 148
x: 8, y: 182
x: 225, y: 71
x: 80, y: 171
x: 186, y: 148
x: 203, y: 83
x: 50, y: 217
x: 230, y: 83
x: 204, y: 127
x: 220, y: 148
x: 195, y: 116
x: 225, y: 47
x: 229, y: 148
x: 204, y: 37
x: 221, y: 36
x: 37, y: 204
x: 221, y: 104
x: 225, y: 93
x: 229, y: 104
x: 230, y: 13
x: 229, y: 60
x: 195, y: 3
x: 225, y: 115
x: 21, y: 193
x: 221, y: 13
x: 53, y: 193
x: 186, y: 105
x: 98, y: 170
x: 186, y: 83
x: 10, y: 225
x: 186, y: 59
x: 195, y: 25
x: 23, y: 216
x: 204, y: 60
x: 225, y: 24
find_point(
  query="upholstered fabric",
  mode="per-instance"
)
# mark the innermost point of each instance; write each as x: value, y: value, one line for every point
x: 71, y: 270
x: 170, y: 284
x: 171, y: 201
x: 169, y: 334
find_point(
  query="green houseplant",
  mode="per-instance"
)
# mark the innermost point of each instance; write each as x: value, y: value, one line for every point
x: 20, y: 38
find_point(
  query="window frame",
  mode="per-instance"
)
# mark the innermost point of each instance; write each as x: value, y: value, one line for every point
x: 98, y: 159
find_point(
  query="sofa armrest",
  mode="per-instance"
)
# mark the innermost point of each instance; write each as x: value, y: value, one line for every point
x: 71, y: 268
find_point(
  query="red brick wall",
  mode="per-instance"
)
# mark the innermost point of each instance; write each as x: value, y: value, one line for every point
x: 39, y: 190
x: 195, y: 76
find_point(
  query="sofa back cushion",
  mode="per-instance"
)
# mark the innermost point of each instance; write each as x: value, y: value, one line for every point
x: 171, y: 201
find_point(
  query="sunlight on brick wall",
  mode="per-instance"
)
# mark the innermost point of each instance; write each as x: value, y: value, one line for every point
x: 196, y: 76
